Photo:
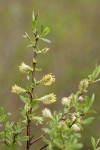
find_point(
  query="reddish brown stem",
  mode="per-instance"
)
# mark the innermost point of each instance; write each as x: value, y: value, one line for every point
x: 29, y: 122
x: 39, y: 138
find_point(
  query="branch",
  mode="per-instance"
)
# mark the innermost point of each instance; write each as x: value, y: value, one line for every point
x: 44, y: 147
x: 39, y: 138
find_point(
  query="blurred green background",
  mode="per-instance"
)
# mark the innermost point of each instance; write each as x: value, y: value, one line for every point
x: 75, y: 50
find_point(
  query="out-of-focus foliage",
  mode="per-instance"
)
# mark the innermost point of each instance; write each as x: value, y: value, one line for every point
x: 75, y: 48
x: 95, y: 143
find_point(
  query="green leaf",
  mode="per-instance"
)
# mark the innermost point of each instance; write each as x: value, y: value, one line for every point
x: 80, y: 106
x: 35, y: 108
x: 33, y: 85
x: 88, y: 103
x: 19, y: 125
x: 34, y: 105
x: 45, y: 140
x: 38, y: 69
x: 44, y: 30
x: 46, y: 40
x: 26, y: 36
x: 98, y: 142
x: 3, y: 117
x: 34, y: 102
x: 91, y: 111
x: 24, y: 138
x: 88, y: 121
x: 95, y: 73
x: 34, y: 20
x: 93, y: 142
x: 91, y: 100
x: 46, y: 130
x: 25, y: 99
x: 33, y: 16
x: 31, y: 45
x: 34, y: 23
x: 23, y: 113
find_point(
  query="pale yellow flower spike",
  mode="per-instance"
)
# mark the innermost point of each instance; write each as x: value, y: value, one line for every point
x: 48, y: 79
x: 47, y: 113
x: 48, y: 99
x: 66, y: 101
x: 37, y: 120
x: 23, y: 68
x: 84, y: 84
x: 18, y: 90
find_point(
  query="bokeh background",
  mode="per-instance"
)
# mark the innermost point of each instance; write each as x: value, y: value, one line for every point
x: 75, y: 50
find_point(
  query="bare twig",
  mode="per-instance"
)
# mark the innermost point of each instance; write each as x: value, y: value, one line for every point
x: 39, y: 138
x: 44, y: 147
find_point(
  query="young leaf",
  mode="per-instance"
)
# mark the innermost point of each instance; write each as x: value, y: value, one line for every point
x: 88, y: 121
x: 88, y: 103
x: 91, y: 100
x: 45, y: 140
x: 3, y: 117
x: 38, y: 69
x: 24, y: 138
x: 93, y: 142
x: 34, y: 102
x: 98, y: 141
x: 33, y: 16
x: 44, y: 30
x: 95, y: 73
x: 46, y: 40
x: 26, y: 36
x: 34, y: 20
x: 25, y: 99
x: 34, y: 105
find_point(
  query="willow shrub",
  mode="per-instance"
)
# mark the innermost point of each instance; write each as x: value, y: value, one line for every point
x: 61, y: 129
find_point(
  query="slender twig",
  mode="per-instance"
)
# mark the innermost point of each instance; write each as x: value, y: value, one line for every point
x: 5, y: 142
x: 44, y: 147
x: 31, y: 138
x: 39, y: 138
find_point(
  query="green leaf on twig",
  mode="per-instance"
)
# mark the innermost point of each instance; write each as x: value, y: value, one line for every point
x: 44, y: 30
x: 25, y: 99
x: 45, y: 40
x: 34, y: 20
x: 88, y: 121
